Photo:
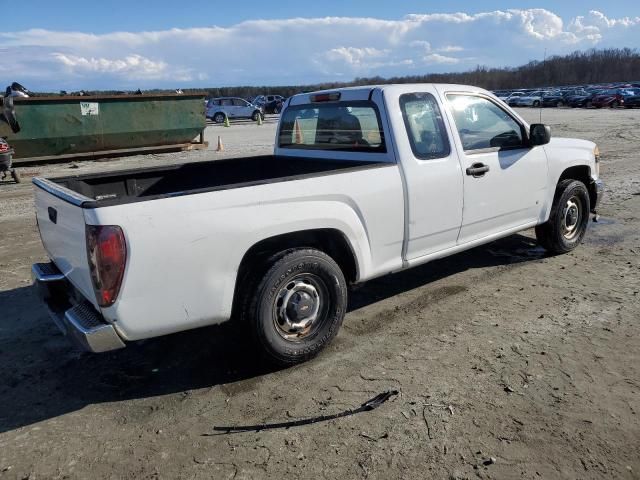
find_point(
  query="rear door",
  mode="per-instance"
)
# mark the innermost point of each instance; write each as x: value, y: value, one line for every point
x: 431, y: 171
x: 505, y: 180
x: 228, y: 107
x: 62, y: 229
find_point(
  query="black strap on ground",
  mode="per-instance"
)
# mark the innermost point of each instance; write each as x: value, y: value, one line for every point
x: 367, y: 406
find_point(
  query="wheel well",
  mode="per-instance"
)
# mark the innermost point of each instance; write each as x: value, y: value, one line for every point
x: 583, y: 174
x: 330, y: 241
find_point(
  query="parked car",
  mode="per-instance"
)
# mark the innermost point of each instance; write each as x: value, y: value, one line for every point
x: 552, y: 99
x: 531, y: 99
x: 633, y: 100
x: 273, y: 241
x: 510, y: 97
x: 231, y: 107
x: 262, y: 100
x: 582, y: 101
x: 608, y: 98
x: 573, y: 92
x: 275, y: 105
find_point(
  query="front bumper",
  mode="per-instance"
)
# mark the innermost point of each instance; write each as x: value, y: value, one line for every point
x: 73, y: 315
x: 598, y: 190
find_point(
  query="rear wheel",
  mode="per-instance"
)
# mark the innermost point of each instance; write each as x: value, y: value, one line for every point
x: 588, y: 104
x: 536, y: 104
x: 219, y: 117
x: 256, y: 115
x: 615, y: 104
x: 295, y: 309
x: 559, y: 104
x: 568, y: 219
x: 276, y: 110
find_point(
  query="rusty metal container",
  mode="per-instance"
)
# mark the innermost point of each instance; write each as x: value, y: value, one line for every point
x: 69, y: 125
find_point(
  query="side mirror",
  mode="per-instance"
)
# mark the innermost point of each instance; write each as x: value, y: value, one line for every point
x: 539, y: 134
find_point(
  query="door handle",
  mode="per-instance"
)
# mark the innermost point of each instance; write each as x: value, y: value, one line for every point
x: 477, y: 170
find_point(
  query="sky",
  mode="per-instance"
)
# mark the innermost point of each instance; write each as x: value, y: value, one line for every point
x: 116, y: 44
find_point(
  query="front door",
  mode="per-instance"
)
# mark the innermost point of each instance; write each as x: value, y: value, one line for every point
x: 505, y: 180
x: 242, y: 107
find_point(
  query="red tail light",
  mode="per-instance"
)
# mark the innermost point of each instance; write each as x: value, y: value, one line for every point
x: 107, y: 253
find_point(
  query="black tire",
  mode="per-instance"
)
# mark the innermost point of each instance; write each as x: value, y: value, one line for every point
x: 559, y: 104
x: 255, y: 115
x: 219, y: 117
x: 588, y: 104
x: 536, y: 104
x: 16, y: 176
x: 276, y: 110
x: 295, y: 281
x: 615, y: 104
x: 568, y: 219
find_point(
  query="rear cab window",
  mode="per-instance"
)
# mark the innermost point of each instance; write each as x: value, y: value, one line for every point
x: 343, y: 126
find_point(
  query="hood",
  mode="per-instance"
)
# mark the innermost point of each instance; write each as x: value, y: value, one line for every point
x: 572, y: 143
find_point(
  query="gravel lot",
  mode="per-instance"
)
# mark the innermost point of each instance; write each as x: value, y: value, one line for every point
x: 510, y: 364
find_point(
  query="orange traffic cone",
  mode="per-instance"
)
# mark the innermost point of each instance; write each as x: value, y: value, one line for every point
x: 220, y: 145
x: 299, y: 139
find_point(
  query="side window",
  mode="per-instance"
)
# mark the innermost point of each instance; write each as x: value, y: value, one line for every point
x: 425, y: 126
x: 225, y: 102
x: 238, y: 102
x: 482, y: 124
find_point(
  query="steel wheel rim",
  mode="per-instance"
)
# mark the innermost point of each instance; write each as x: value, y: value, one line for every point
x: 572, y: 218
x: 299, y: 307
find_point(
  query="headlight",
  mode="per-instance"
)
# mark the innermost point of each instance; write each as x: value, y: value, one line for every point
x: 596, y: 154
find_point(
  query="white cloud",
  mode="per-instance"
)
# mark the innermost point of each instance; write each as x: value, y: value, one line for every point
x: 451, y: 49
x: 129, y: 65
x: 356, y: 57
x: 302, y: 50
x: 440, y: 59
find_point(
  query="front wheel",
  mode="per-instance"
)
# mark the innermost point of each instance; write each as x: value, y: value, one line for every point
x: 568, y: 219
x: 256, y: 115
x: 615, y: 104
x: 219, y: 117
x: 295, y: 309
x: 536, y: 104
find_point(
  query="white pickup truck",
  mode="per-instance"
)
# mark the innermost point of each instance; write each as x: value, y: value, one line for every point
x: 363, y: 182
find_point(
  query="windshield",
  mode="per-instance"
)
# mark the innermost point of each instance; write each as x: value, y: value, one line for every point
x: 345, y: 126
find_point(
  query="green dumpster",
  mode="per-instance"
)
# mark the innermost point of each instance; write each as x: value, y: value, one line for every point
x: 68, y: 125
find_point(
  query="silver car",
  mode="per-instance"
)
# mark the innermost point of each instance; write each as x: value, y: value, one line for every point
x: 219, y: 109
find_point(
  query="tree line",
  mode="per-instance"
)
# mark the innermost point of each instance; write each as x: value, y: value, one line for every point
x: 578, y: 68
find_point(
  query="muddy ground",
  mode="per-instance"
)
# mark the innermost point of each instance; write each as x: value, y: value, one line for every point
x: 510, y: 363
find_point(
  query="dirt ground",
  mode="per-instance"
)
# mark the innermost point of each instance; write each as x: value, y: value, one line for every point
x: 509, y: 363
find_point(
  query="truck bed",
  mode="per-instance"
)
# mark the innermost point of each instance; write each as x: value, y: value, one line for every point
x: 106, y: 189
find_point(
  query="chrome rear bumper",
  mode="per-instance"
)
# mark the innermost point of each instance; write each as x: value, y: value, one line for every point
x: 76, y: 318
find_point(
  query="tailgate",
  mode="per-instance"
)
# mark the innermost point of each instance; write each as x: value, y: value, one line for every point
x: 62, y: 229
